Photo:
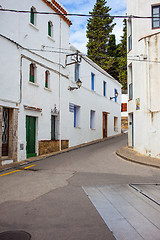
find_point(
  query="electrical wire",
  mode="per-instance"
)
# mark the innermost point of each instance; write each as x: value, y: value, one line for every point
x: 80, y: 14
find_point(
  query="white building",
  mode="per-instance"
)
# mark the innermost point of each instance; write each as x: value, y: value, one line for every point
x: 143, y: 76
x: 36, y: 107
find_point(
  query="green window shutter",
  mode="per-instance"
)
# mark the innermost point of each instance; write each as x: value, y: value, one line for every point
x: 49, y: 29
x: 32, y: 72
x: 32, y: 16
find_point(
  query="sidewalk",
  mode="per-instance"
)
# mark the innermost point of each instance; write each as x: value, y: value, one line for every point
x: 130, y: 155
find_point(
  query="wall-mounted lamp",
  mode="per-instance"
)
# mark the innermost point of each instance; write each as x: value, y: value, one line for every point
x: 116, y: 95
x: 79, y: 84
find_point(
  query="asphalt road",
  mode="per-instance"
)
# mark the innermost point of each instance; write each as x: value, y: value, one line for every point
x: 47, y: 199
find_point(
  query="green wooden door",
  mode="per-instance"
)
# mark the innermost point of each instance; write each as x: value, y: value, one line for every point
x: 30, y: 136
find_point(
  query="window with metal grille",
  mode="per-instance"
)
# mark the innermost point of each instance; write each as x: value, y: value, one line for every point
x: 156, y: 16
x: 124, y: 107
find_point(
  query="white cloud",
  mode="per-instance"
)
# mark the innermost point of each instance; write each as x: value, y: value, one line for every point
x: 78, y: 28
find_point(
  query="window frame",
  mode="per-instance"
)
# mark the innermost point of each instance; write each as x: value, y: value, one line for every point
x: 104, y: 88
x: 47, y: 79
x: 92, y: 119
x: 32, y: 75
x: 76, y: 75
x: 129, y: 34
x: 153, y: 7
x: 115, y: 124
x: 76, y: 116
x: 33, y: 16
x: 92, y: 81
x: 50, y: 29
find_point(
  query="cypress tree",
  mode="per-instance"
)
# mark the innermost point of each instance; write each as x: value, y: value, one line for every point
x: 99, y: 28
x: 123, y: 57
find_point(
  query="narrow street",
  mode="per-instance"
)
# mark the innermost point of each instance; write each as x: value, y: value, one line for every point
x: 54, y: 198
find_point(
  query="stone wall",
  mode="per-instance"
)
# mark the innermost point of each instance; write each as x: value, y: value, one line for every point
x: 124, y: 123
x: 13, y: 134
x: 49, y: 146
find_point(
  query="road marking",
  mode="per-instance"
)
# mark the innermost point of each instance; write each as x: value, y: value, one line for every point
x: 30, y: 166
x: 16, y: 171
x: 9, y: 173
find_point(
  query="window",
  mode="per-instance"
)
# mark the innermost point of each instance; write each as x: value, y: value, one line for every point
x: 92, y: 81
x: 47, y: 75
x: 53, y: 127
x: 33, y: 16
x: 129, y: 34
x: 130, y: 80
x: 32, y: 72
x: 50, y: 29
x: 104, y: 88
x: 115, y: 91
x: 116, y: 124
x: 156, y: 15
x: 76, y: 72
x: 124, y: 107
x: 76, y: 116
x: 92, y: 119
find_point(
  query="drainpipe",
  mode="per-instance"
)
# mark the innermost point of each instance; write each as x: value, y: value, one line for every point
x: 60, y: 86
x: 148, y: 77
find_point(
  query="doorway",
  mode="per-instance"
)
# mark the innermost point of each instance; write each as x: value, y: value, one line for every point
x: 5, y: 131
x: 31, y: 136
x: 105, y: 124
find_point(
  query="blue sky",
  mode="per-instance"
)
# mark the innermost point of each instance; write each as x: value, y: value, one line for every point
x: 78, y: 29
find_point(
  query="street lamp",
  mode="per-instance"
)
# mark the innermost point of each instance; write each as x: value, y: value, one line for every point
x: 116, y: 95
x: 78, y: 83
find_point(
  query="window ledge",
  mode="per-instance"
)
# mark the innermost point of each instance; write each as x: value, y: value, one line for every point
x: 93, y: 129
x: 33, y: 84
x: 33, y: 26
x: 77, y: 127
x: 51, y: 38
x: 47, y: 89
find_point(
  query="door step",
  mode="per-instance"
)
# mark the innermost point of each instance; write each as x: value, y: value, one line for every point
x: 6, y: 161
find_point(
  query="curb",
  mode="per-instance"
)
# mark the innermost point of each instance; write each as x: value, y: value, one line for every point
x: 149, y: 164
x: 39, y: 158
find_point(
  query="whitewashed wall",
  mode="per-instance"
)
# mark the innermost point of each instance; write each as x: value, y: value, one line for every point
x: 88, y: 100
x: 146, y: 86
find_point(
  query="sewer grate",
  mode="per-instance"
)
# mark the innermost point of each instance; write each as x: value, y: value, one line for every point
x: 15, y: 235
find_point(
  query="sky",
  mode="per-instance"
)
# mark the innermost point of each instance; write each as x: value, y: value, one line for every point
x: 78, y: 28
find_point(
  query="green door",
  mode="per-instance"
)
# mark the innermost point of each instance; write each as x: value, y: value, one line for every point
x: 30, y: 136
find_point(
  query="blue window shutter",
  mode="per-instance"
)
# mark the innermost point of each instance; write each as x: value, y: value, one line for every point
x: 74, y: 116
x: 115, y: 91
x: 92, y: 81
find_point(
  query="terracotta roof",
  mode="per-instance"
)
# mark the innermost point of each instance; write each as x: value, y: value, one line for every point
x: 58, y: 9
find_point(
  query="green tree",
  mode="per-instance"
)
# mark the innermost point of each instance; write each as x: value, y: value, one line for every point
x: 122, y: 66
x: 99, y: 28
x: 113, y: 54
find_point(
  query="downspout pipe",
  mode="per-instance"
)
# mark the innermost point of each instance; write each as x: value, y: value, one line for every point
x: 60, y: 111
x: 148, y: 77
